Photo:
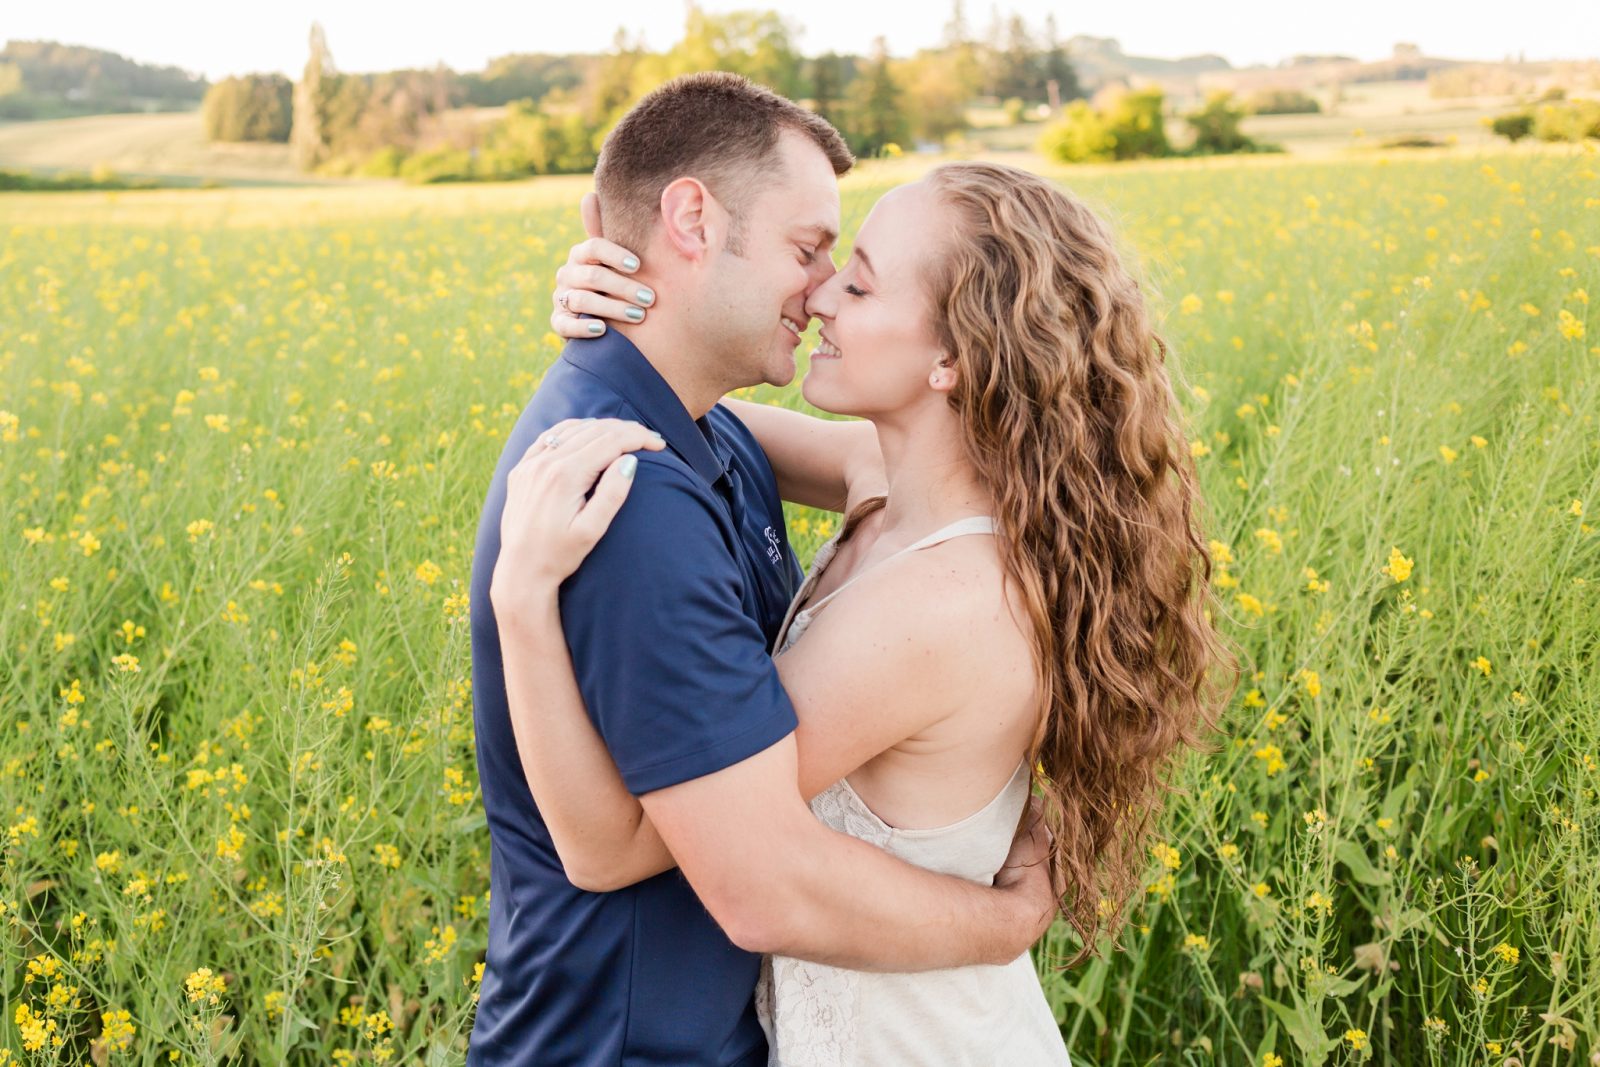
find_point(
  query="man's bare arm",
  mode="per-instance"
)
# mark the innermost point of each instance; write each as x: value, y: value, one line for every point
x: 779, y: 881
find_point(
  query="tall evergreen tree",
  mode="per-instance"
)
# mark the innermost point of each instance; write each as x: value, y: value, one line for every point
x: 308, y: 136
x: 1057, y: 67
x: 876, y: 115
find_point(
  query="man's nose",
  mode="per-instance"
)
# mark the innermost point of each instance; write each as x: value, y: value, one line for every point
x: 822, y: 270
x: 819, y: 286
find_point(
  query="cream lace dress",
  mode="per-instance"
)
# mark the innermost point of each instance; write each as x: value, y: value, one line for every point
x: 816, y: 1015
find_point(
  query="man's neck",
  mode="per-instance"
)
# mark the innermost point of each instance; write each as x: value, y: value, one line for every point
x: 664, y: 347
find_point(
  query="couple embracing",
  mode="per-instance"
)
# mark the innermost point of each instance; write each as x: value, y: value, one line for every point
x: 742, y: 816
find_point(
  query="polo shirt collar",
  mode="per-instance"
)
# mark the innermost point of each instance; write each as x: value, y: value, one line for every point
x: 616, y: 361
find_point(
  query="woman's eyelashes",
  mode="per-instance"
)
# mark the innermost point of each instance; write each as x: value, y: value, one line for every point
x: 853, y: 291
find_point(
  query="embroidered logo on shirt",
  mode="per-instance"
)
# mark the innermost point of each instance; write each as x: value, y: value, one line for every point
x: 773, y: 552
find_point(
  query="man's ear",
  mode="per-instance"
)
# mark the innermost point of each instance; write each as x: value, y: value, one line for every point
x: 689, y: 217
x: 589, y: 208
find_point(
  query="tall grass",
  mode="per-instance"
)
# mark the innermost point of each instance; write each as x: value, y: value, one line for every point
x: 243, y: 465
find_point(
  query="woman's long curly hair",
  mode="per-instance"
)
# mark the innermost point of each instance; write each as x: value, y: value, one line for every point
x: 1070, y: 419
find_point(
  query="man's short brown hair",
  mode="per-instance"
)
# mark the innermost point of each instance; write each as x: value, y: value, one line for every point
x: 715, y: 126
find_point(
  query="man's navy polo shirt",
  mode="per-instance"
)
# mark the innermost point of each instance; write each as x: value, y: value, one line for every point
x: 669, y: 621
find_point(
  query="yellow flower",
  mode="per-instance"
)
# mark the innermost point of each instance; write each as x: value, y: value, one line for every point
x: 1507, y: 952
x: 428, y: 572
x: 1272, y: 756
x: 198, y: 529
x: 1250, y: 604
x: 204, y: 985
x: 1271, y: 1059
x: 1482, y: 664
x: 1190, y: 304
x: 1449, y: 454
x: 1357, y: 1039
x: 116, y: 1028
x: 1398, y: 567
x: 1196, y: 943
x: 89, y: 543
x: 126, y: 664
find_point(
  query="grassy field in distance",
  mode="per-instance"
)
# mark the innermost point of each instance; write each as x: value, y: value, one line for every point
x: 246, y: 434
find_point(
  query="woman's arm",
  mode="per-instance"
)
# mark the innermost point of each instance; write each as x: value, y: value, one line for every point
x: 595, y: 823
x: 598, y: 827
x: 818, y: 462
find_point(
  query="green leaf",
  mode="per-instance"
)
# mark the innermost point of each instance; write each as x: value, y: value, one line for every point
x: 1354, y: 857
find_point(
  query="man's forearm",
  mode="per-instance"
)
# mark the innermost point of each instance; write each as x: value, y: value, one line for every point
x: 850, y: 904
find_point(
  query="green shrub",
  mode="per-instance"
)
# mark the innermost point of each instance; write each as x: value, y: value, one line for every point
x: 1573, y: 120
x: 1514, y: 127
x: 1079, y: 136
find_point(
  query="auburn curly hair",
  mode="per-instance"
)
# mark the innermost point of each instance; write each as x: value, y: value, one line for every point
x: 1070, y: 418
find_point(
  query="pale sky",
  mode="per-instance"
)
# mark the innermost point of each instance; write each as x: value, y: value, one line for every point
x: 221, y: 37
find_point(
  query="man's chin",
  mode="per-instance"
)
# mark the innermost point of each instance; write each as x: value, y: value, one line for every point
x: 781, y: 373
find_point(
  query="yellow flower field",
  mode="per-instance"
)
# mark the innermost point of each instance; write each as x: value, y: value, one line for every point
x: 244, y: 439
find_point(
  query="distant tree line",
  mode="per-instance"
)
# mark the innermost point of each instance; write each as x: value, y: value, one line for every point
x: 254, y: 107
x: 46, y: 80
x: 1131, y: 124
x: 559, y: 108
x: 1551, y: 118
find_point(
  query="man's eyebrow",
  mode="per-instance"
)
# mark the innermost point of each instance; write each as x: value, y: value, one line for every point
x: 825, y: 235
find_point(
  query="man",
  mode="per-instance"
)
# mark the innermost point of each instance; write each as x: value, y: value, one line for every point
x: 730, y: 192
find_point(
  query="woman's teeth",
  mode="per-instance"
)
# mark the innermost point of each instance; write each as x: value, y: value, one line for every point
x: 825, y: 350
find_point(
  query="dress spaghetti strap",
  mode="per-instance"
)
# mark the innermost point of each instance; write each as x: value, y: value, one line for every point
x: 972, y: 524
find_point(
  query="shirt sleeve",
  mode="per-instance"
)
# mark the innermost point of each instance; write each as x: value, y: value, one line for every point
x: 675, y: 675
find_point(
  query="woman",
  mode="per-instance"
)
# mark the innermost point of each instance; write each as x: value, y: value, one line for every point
x: 1018, y: 470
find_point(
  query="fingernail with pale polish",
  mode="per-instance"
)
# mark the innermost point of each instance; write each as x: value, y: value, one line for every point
x: 629, y: 465
x: 645, y: 297
x: 630, y: 263
x: 595, y: 328
x: 635, y: 314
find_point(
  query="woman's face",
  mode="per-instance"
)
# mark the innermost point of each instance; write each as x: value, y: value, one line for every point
x: 878, y: 348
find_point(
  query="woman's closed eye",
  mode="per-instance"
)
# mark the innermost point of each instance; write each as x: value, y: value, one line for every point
x: 853, y: 291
